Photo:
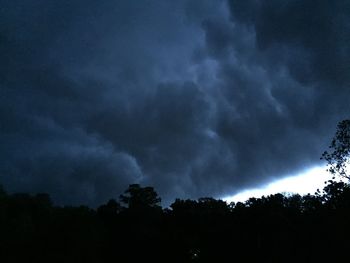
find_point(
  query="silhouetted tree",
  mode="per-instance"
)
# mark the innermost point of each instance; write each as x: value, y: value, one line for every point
x: 338, y: 158
x: 109, y: 210
x: 136, y: 197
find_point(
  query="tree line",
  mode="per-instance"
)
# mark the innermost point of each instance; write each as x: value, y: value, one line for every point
x: 135, y: 228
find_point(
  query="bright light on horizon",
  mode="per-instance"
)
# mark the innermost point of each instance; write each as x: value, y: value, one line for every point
x: 303, y: 183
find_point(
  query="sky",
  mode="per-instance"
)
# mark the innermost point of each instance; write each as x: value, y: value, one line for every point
x: 193, y: 97
x: 304, y: 183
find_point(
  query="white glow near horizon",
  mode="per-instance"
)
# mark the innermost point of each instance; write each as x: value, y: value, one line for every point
x: 304, y: 183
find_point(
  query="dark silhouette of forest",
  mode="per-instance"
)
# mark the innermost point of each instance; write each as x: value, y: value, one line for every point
x: 135, y: 228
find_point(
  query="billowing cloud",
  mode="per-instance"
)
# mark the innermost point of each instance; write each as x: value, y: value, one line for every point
x: 197, y: 98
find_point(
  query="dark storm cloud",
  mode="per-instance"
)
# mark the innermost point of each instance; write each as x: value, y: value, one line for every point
x: 284, y: 73
x: 317, y: 32
x: 194, y: 97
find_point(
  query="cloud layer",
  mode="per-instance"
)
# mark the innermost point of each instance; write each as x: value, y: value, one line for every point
x: 197, y: 98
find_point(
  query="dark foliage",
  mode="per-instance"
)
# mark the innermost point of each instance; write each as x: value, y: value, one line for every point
x: 338, y: 158
x: 275, y: 228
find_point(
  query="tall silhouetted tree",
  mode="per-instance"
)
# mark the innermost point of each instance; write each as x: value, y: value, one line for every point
x: 338, y: 158
x: 136, y: 197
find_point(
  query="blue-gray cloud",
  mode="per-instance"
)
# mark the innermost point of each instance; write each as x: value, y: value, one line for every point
x: 197, y: 98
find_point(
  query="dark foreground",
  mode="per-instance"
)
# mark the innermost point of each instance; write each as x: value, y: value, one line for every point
x: 277, y: 228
